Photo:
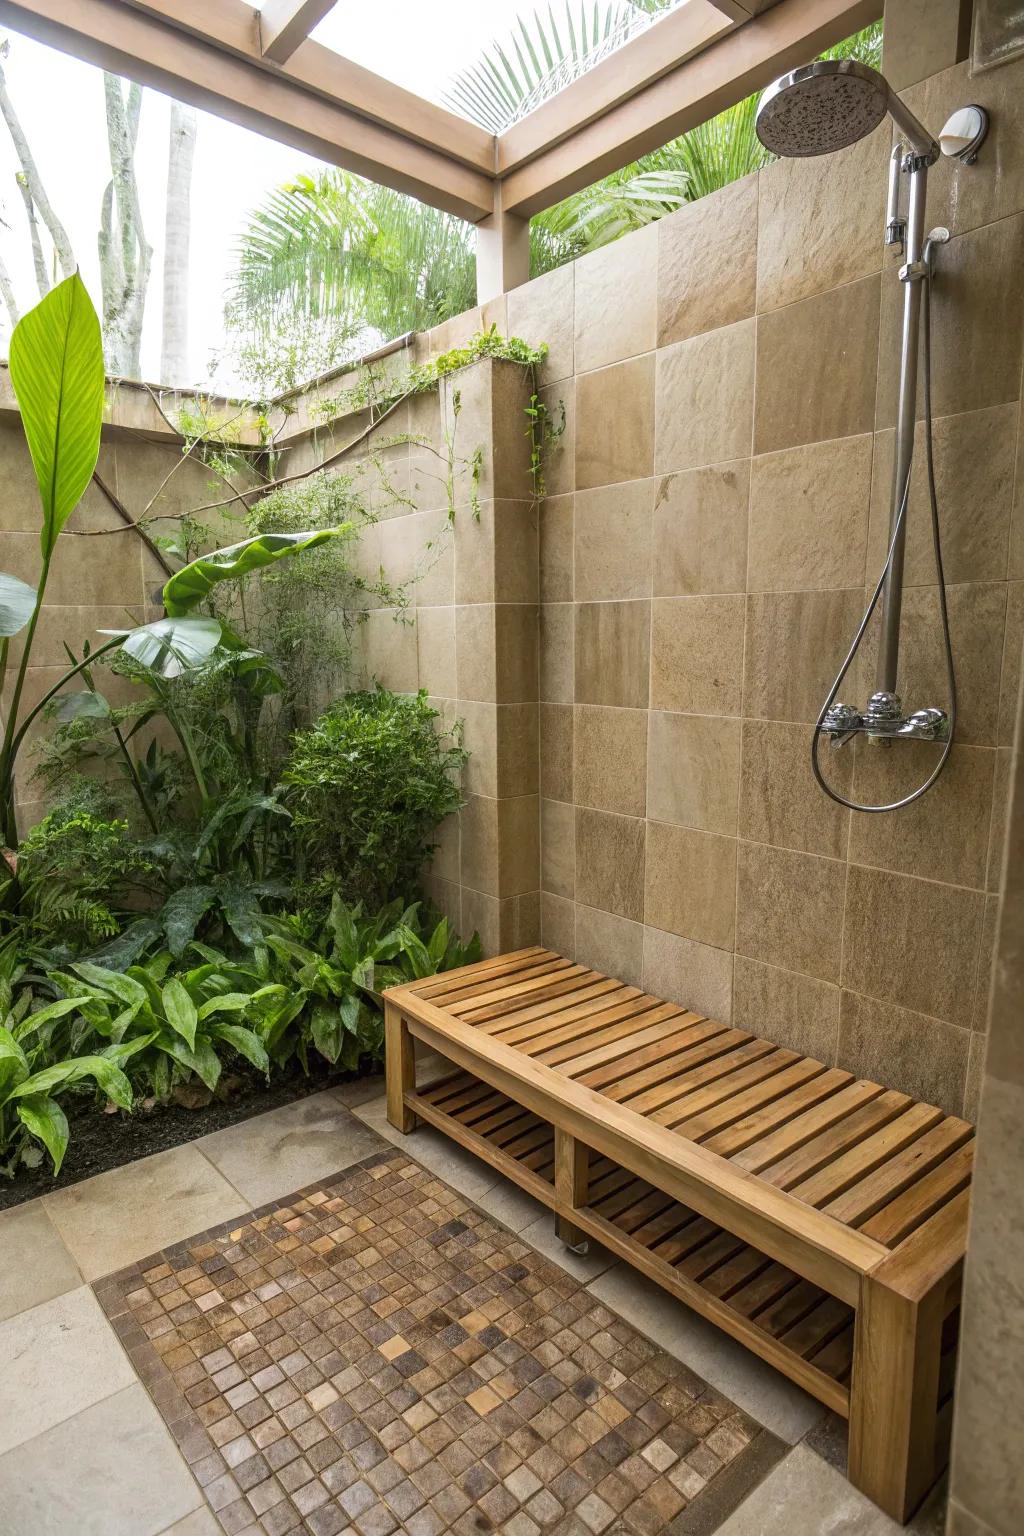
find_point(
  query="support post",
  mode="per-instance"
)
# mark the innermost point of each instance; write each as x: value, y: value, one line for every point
x: 572, y: 1179
x: 502, y: 251
x: 400, y: 1069
x: 894, y: 1395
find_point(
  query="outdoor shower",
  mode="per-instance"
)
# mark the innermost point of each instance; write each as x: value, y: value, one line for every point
x: 814, y: 110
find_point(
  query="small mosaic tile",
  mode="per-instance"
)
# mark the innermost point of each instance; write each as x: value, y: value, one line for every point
x: 375, y: 1355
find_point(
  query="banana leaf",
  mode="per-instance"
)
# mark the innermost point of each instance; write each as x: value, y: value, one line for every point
x: 195, y: 581
x: 17, y: 599
x: 56, y: 362
x: 170, y: 646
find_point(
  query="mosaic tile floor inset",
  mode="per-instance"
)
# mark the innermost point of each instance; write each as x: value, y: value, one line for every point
x: 376, y: 1355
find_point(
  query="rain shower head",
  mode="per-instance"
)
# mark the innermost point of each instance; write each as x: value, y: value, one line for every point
x: 830, y: 104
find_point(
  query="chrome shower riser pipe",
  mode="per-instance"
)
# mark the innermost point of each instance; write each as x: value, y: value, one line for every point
x: 912, y: 275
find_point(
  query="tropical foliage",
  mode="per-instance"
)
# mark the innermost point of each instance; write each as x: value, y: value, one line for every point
x: 334, y: 255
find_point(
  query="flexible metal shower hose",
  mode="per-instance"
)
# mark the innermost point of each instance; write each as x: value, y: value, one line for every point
x: 896, y: 805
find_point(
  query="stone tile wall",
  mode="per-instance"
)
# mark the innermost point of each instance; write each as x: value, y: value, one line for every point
x: 717, y: 516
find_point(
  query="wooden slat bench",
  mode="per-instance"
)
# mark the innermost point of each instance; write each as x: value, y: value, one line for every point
x: 817, y: 1217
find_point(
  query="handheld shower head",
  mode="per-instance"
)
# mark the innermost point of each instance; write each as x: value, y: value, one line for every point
x: 830, y: 104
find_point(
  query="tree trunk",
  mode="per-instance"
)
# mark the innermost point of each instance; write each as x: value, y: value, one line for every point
x: 7, y: 293
x: 125, y: 256
x: 177, y: 234
x: 33, y: 190
x: 38, y: 259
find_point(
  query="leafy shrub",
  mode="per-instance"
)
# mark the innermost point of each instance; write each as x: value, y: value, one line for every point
x: 368, y: 785
x: 333, y: 974
x: 37, y: 1066
x: 77, y: 872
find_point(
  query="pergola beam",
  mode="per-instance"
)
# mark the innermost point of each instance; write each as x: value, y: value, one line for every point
x: 284, y: 24
x: 674, y: 38
x: 224, y: 72
x: 742, y: 61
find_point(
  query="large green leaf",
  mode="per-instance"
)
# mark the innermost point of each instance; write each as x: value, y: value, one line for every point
x: 181, y: 912
x: 171, y: 646
x: 45, y: 1119
x: 180, y: 1011
x: 245, y: 1042
x: 108, y: 1077
x: 17, y: 599
x: 13, y: 1064
x: 56, y: 361
x: 196, y: 580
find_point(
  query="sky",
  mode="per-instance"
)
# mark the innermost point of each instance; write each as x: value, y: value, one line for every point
x: 59, y: 101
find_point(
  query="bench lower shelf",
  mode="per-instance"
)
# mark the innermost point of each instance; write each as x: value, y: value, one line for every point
x: 798, y: 1328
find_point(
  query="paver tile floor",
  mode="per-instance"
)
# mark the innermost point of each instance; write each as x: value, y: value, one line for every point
x: 401, y: 1347
x: 377, y: 1355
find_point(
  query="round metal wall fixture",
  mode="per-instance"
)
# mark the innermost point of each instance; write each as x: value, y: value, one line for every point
x: 964, y: 134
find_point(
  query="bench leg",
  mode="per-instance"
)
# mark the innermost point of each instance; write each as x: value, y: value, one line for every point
x: 400, y: 1068
x: 894, y: 1396
x: 572, y: 1176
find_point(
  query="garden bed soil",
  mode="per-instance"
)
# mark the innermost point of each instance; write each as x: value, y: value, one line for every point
x: 100, y: 1141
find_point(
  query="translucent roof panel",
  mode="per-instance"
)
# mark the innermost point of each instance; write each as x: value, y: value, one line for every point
x: 492, y: 62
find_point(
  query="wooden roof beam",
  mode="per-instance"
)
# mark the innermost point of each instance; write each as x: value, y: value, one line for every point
x: 284, y: 24
x: 223, y: 71
x: 742, y: 61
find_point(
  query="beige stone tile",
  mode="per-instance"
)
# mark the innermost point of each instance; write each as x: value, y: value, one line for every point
x: 58, y: 1358
x: 977, y: 615
x: 481, y: 914
x: 73, y: 624
x: 496, y: 553
x: 202, y: 1522
x: 446, y: 896
x: 558, y: 469
x: 110, y: 1471
x: 616, y: 300
x: 479, y: 857
x: 789, y: 909
x: 795, y: 644
x: 556, y: 751
x: 690, y: 884
x: 974, y: 488
x: 171, y: 1195
x: 907, y: 1051
x: 613, y: 541
x: 558, y: 848
x: 779, y: 801
x: 798, y: 1012
x: 942, y: 836
x: 978, y: 324
x: 34, y: 1264
x: 986, y: 962
x: 435, y: 561
x: 610, y: 944
x: 558, y: 924
x: 1009, y: 681
x: 975, y: 1077
x: 611, y: 758
x: 697, y: 654
x: 990, y: 1390
x: 809, y: 516
x: 610, y: 863
x: 913, y: 943
x: 816, y: 364
x: 446, y: 860
x: 615, y: 423
x: 519, y: 845
x: 998, y: 846
x: 557, y: 622
x: 270, y: 1155
x: 705, y: 399
x: 693, y: 764
x: 475, y: 652
x: 435, y: 651
x: 518, y: 749
x: 697, y: 976
x: 516, y: 642
x: 803, y: 1493
x: 707, y: 262
x: 700, y: 531
x: 108, y: 570
x: 612, y: 653
x: 541, y: 312
x: 821, y: 220
x: 556, y: 549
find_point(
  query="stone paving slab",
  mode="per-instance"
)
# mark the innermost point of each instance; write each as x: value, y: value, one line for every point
x: 376, y: 1355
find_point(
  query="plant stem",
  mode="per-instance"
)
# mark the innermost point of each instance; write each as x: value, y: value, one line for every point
x: 12, y: 735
